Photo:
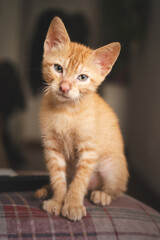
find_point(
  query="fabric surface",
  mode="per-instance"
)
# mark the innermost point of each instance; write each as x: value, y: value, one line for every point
x: 21, y: 217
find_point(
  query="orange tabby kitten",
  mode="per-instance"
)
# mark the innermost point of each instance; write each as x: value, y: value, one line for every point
x: 82, y: 140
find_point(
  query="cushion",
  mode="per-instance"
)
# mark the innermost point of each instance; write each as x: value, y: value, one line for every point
x: 21, y: 217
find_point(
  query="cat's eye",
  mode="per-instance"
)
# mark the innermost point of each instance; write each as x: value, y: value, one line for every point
x: 82, y: 77
x: 58, y: 68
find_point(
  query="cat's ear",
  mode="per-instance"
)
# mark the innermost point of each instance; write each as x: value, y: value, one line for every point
x: 106, y: 56
x: 56, y: 36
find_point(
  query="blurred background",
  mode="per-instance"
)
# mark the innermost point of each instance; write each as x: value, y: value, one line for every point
x: 132, y: 89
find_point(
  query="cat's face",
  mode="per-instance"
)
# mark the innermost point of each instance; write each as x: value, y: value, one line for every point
x: 71, y: 70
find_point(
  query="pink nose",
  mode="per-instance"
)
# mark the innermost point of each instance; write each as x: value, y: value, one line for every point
x: 65, y: 86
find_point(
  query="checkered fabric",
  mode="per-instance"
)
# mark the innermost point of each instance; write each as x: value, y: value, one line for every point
x: 21, y: 217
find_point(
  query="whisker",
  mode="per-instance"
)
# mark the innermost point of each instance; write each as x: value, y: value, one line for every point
x: 46, y: 87
x: 46, y: 90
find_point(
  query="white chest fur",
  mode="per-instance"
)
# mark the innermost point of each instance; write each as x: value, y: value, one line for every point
x: 64, y: 125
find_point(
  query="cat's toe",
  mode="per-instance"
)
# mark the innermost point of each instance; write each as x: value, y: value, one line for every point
x: 52, y: 206
x: 41, y: 193
x: 74, y: 213
x: 100, y: 197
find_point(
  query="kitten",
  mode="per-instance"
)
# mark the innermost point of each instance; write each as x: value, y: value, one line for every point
x: 82, y: 141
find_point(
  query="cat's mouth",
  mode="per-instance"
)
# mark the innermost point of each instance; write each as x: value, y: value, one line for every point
x: 63, y: 95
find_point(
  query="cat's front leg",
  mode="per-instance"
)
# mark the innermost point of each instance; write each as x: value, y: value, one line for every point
x: 73, y: 204
x: 57, y: 169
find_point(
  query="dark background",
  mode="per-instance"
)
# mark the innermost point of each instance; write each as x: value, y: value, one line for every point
x: 132, y: 89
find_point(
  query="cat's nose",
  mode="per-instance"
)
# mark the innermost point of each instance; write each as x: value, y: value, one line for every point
x: 65, y: 86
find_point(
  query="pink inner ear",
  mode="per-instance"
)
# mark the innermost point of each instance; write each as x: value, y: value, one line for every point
x: 56, y: 38
x: 106, y: 56
x: 53, y: 40
x: 105, y: 62
x: 56, y: 35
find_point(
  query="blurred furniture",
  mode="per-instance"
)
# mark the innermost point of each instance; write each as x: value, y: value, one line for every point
x: 21, y: 217
x: 11, y: 100
x: 3, y: 157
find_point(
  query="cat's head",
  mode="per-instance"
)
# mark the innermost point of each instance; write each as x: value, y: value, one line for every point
x: 72, y: 70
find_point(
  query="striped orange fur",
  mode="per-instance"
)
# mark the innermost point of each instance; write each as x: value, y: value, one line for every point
x: 82, y: 141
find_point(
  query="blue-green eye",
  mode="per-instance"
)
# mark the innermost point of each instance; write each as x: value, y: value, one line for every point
x: 58, y: 68
x: 82, y: 77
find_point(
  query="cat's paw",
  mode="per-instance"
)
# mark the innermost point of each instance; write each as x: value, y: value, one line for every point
x: 100, y: 197
x: 41, y: 193
x: 52, y: 206
x: 73, y: 212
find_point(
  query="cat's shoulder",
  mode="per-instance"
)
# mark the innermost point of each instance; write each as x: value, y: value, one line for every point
x: 98, y: 100
x: 101, y: 107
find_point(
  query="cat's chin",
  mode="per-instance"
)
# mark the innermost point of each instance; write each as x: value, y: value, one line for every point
x: 64, y: 98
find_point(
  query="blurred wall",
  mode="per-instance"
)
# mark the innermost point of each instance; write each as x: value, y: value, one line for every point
x: 10, y: 21
x: 144, y: 134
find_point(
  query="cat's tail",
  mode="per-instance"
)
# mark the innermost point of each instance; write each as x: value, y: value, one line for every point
x: 43, y: 192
